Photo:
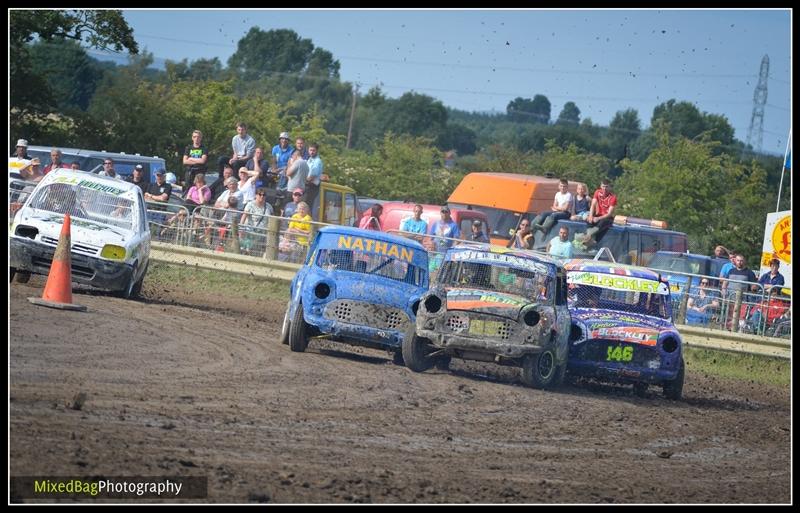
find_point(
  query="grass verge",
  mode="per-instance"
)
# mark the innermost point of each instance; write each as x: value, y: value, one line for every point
x: 202, y: 280
x: 745, y: 367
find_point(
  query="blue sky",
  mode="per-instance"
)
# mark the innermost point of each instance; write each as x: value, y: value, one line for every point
x: 479, y: 60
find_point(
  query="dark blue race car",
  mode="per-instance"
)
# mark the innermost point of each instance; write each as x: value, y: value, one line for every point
x: 357, y: 286
x: 622, y: 326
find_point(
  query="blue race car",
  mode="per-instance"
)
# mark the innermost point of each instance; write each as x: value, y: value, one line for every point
x: 357, y: 286
x: 622, y: 326
x: 493, y: 304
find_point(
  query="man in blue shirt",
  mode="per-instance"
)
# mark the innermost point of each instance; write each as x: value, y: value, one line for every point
x: 415, y: 224
x: 281, y: 152
x: 561, y: 246
x: 445, y: 230
x: 773, y: 277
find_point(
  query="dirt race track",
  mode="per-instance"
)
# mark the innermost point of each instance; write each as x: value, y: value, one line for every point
x: 180, y: 385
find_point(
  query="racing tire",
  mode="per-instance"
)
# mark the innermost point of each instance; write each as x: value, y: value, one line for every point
x: 127, y: 292
x: 136, y: 291
x: 287, y: 323
x: 415, y: 353
x: 397, y: 358
x: 23, y: 276
x: 298, y: 331
x: 540, y: 370
x: 443, y: 363
x: 674, y: 389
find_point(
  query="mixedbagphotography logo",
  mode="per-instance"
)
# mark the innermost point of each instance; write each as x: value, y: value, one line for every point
x: 103, y: 487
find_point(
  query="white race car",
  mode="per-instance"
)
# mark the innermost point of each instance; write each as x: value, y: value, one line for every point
x: 109, y: 230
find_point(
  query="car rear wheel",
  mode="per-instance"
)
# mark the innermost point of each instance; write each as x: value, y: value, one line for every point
x: 286, y: 324
x: 674, y: 389
x: 541, y: 370
x: 298, y: 332
x: 23, y: 276
x: 415, y: 353
x: 443, y: 363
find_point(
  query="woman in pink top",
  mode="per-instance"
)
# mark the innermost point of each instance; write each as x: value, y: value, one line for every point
x: 199, y: 193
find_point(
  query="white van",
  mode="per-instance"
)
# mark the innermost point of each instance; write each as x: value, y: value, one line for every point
x: 110, y: 235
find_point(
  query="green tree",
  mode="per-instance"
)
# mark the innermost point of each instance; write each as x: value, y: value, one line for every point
x: 525, y: 110
x: 70, y: 74
x: 624, y: 128
x: 570, y: 115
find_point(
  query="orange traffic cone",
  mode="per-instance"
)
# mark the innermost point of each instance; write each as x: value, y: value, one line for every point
x: 58, y: 290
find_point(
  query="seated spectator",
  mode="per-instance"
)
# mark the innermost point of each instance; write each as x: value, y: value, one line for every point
x: 253, y: 223
x: 773, y: 277
x: 477, y: 232
x: 561, y: 209
x: 199, y: 193
x: 523, y: 238
x: 296, y: 236
x: 582, y: 203
x: 703, y: 305
x: 371, y: 219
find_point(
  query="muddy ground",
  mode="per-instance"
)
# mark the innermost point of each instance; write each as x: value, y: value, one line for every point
x: 180, y: 384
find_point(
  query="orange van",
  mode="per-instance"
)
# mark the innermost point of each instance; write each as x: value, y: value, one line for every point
x: 505, y: 197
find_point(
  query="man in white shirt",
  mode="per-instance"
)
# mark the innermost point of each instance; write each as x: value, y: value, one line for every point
x: 561, y: 209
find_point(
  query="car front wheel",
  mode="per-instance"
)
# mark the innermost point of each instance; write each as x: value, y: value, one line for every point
x: 298, y: 332
x: 674, y: 389
x: 541, y: 370
x: 415, y: 353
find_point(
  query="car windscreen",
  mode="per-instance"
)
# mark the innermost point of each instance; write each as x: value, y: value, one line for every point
x: 371, y: 264
x: 625, y: 294
x: 484, y: 276
x: 502, y: 221
x: 84, y: 203
x: 676, y: 263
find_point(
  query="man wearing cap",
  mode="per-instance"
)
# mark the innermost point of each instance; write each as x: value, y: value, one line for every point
x: 244, y: 147
x: 477, y: 231
x: 445, y: 229
x: 290, y: 208
x: 158, y: 192
x: 55, y: 161
x: 22, y: 150
x: 137, y: 178
x: 281, y: 152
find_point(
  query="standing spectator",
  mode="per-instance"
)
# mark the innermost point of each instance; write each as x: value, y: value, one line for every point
x: 601, y: 213
x: 444, y: 229
x: 261, y: 166
x: 21, y: 151
x: 729, y: 266
x: 560, y: 246
x: 721, y: 251
x: 247, y: 184
x: 290, y: 208
x: 160, y: 190
x: 773, y: 277
x: 254, y: 222
x: 477, y: 232
x: 137, y: 178
x: 282, y: 152
x: 561, y: 209
x: 740, y: 273
x: 703, y: 305
x: 371, y: 220
x: 195, y: 158
x: 55, y: 161
x: 297, y: 172
x: 244, y: 147
x: 315, y: 170
x: 108, y: 169
x: 218, y: 187
x: 523, y: 238
x: 300, y: 145
x: 582, y: 203
x: 415, y: 224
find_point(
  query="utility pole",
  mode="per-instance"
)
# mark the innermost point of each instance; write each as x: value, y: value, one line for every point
x: 352, y: 115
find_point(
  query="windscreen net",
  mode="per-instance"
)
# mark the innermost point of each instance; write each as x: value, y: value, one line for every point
x: 83, y: 203
x: 371, y: 264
